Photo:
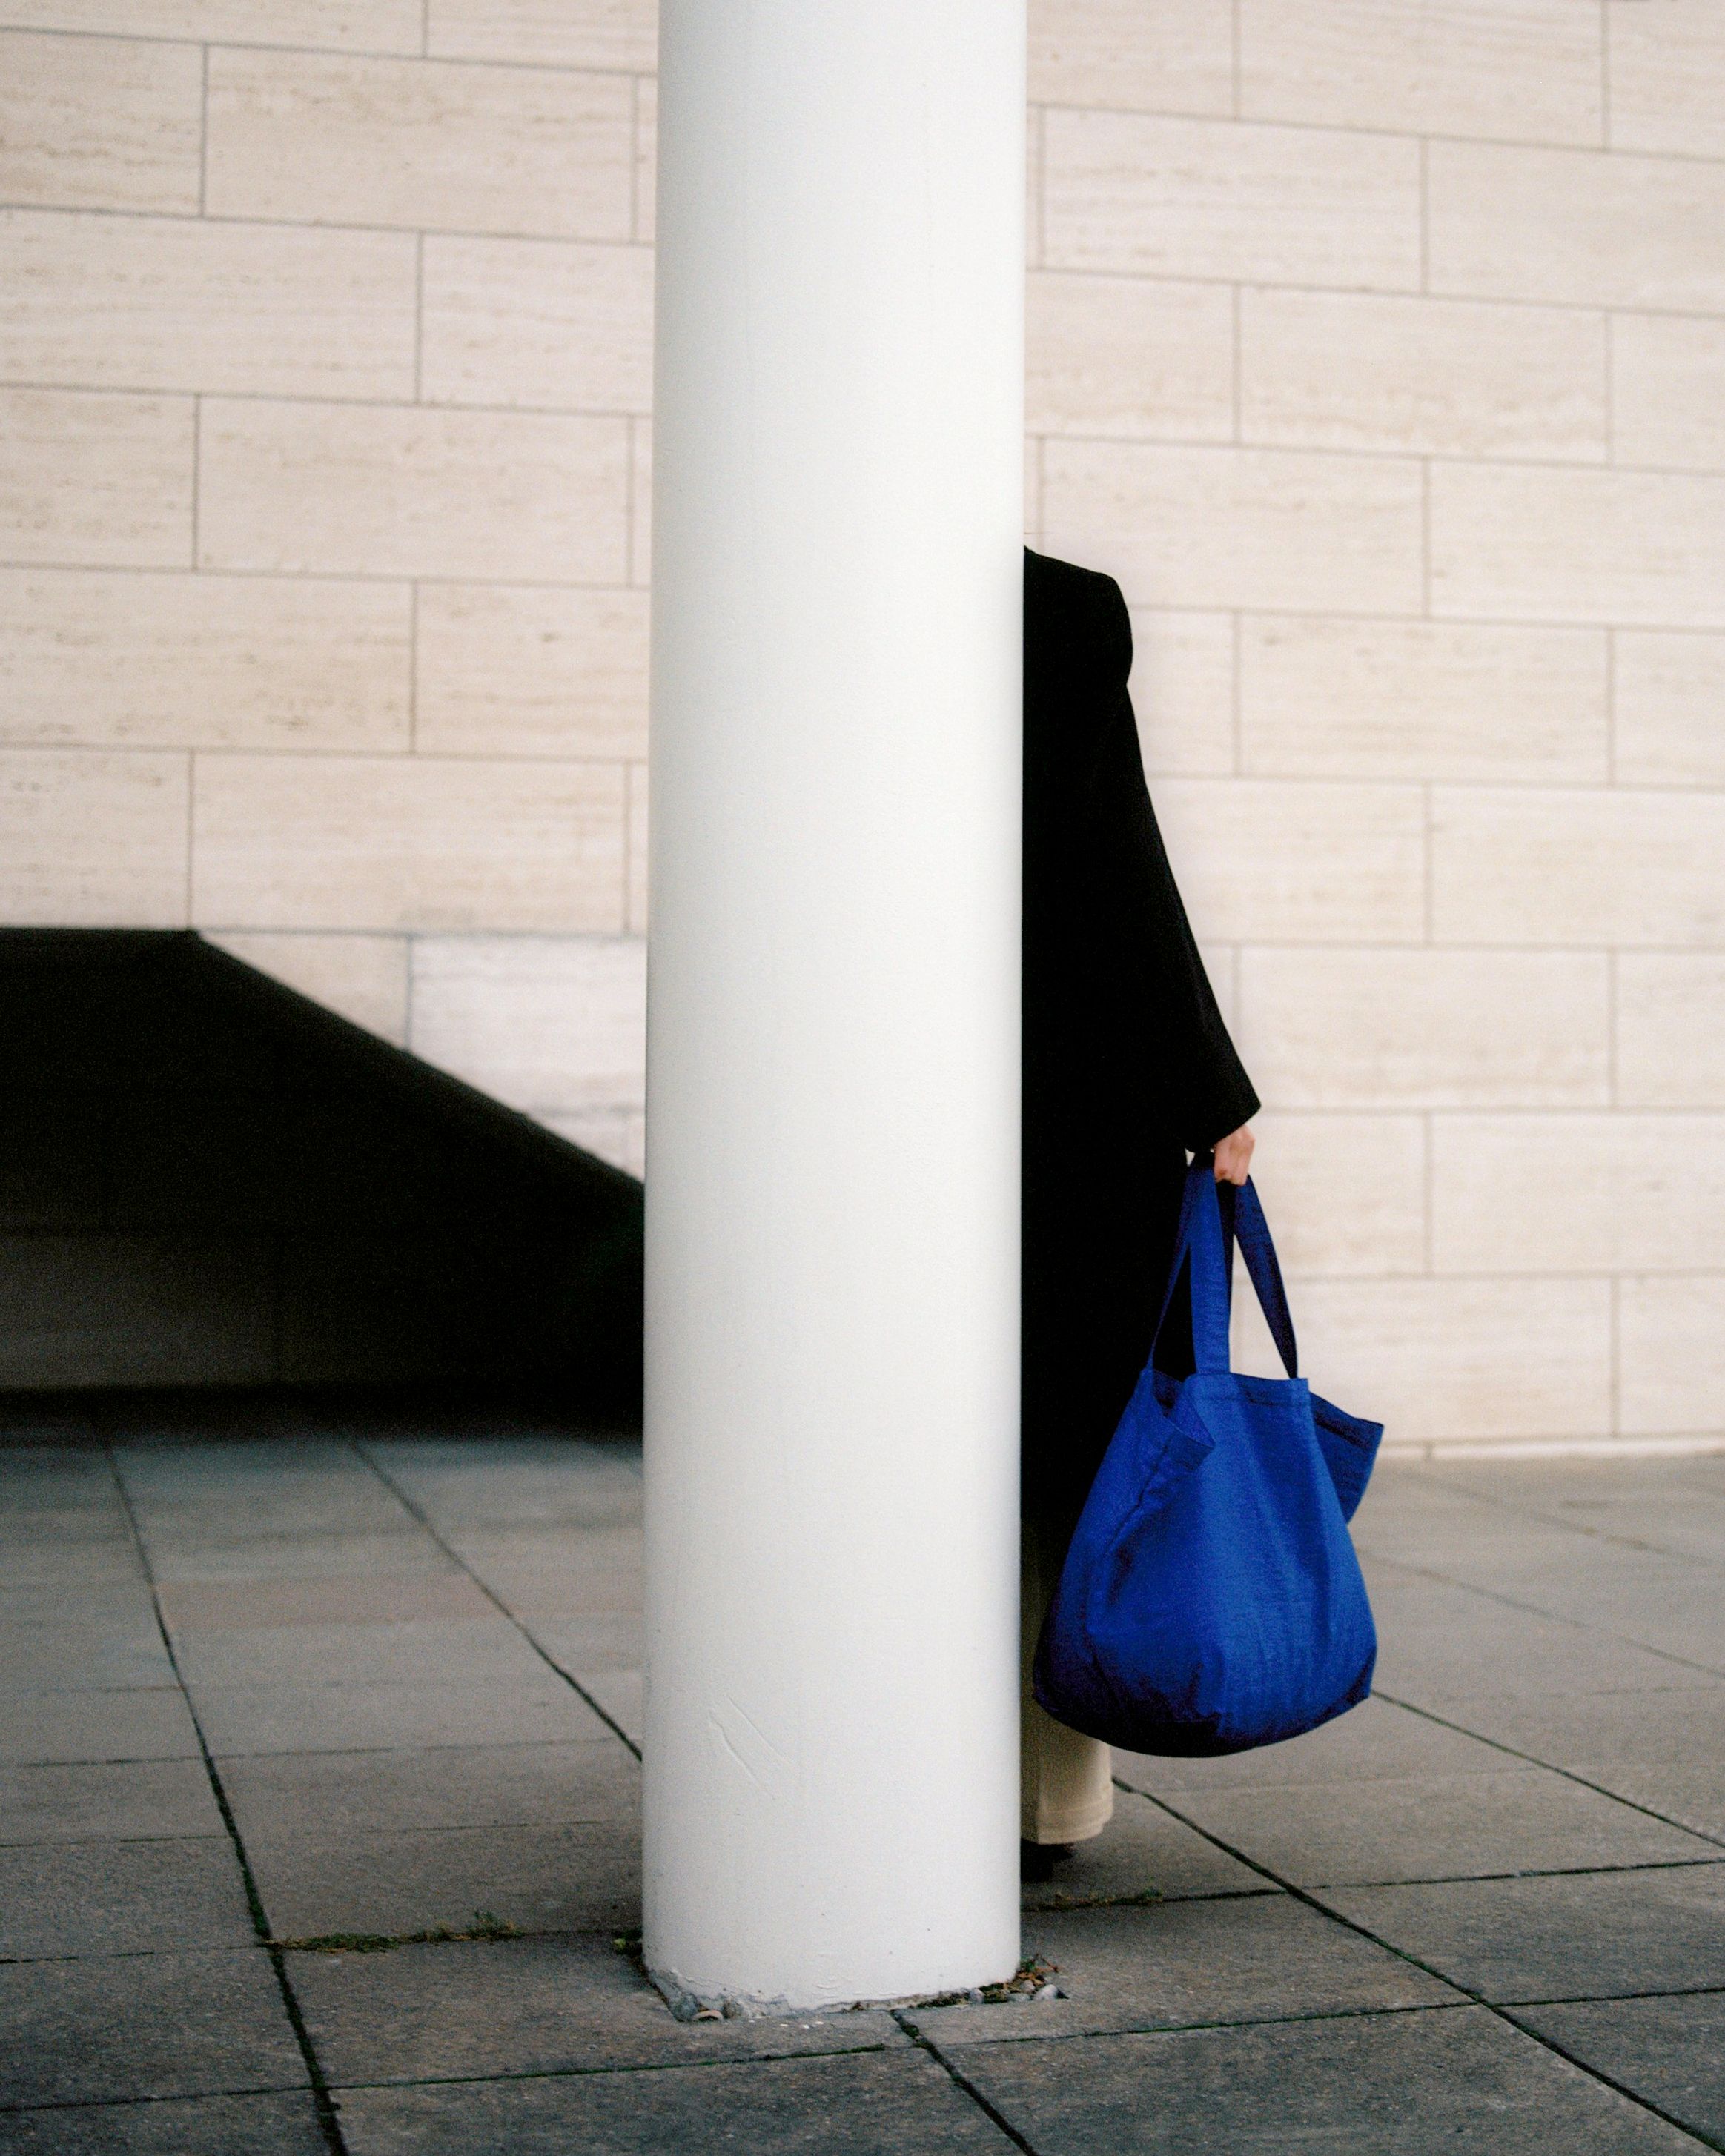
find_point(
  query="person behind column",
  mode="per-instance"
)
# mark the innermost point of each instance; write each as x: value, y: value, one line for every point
x: 1128, y: 1069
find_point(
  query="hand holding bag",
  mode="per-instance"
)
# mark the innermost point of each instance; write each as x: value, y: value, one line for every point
x: 1211, y: 1600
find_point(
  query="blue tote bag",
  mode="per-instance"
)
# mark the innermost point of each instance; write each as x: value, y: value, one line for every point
x: 1210, y: 1599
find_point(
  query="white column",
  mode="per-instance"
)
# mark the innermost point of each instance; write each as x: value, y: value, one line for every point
x: 833, y: 999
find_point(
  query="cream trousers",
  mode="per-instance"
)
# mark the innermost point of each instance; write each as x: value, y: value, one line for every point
x: 1065, y: 1786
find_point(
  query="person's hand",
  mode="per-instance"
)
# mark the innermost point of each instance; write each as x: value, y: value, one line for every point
x: 1233, y: 1155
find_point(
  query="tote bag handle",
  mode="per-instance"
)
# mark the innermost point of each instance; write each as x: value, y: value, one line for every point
x: 1211, y: 1215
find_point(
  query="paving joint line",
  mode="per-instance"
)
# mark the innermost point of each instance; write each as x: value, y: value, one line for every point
x: 962, y: 2081
x: 1550, y: 1616
x: 1402, y: 1953
x: 328, y: 2122
x: 362, y: 1452
x: 1569, y: 1774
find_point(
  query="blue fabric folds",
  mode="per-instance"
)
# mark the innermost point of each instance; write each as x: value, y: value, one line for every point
x: 1210, y: 1599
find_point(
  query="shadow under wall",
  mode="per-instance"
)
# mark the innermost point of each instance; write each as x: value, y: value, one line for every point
x: 208, y: 1180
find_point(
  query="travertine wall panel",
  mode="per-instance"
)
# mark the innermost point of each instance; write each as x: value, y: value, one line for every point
x: 1672, y: 1339
x: 533, y: 671
x: 1525, y: 70
x: 1143, y: 55
x: 103, y: 480
x: 1586, y: 1194
x: 637, y: 836
x: 323, y: 139
x: 562, y: 327
x: 1329, y: 697
x: 373, y: 26
x: 1613, y: 866
x: 1181, y: 686
x: 1229, y: 528
x: 1668, y: 391
x: 162, y: 661
x: 1666, y: 64
x: 640, y: 502
x: 1426, y: 1028
x: 363, y: 978
x: 1209, y: 198
x: 1449, y: 1359
x: 1377, y: 346
x: 100, y: 123
x: 1539, y: 543
x: 613, y: 34
x: 1671, y: 1030
x: 1669, y: 691
x: 1329, y: 862
x: 410, y: 492
x: 547, y: 1025
x: 406, y: 844
x: 1122, y: 355
x: 92, y: 841
x: 646, y: 157
x: 1443, y: 377
x: 1569, y: 225
x: 190, y: 303
x: 1347, y: 1192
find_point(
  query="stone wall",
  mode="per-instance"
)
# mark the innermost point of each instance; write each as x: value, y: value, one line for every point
x: 1378, y: 347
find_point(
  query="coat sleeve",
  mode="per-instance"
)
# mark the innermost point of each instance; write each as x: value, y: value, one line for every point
x: 1203, y: 1088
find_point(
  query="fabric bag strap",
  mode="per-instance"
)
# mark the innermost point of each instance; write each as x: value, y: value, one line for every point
x: 1259, y: 1255
x: 1212, y: 1215
x: 1203, y: 1242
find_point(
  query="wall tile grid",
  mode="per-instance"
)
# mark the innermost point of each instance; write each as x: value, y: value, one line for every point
x: 325, y: 335
x: 1377, y: 346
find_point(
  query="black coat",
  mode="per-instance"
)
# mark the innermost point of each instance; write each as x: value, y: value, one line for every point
x: 1128, y: 1066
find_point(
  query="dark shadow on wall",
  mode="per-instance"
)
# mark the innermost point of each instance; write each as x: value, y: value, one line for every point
x: 208, y: 1180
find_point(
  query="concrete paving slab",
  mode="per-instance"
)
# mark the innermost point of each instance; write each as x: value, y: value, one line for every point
x: 592, y: 1780
x: 890, y: 2104
x: 1589, y: 1935
x: 480, y: 1651
x: 1439, y: 1640
x: 1189, y: 1962
x: 1669, y: 2051
x: 241, y: 1719
x: 465, y: 1490
x: 1684, y: 1726
x: 1382, y: 2084
x: 585, y: 1878
x: 42, y: 1728
x: 1665, y: 1751
x: 1141, y: 1855
x: 133, y: 1800
x: 285, y: 2125
x: 1525, y: 1819
x: 34, y: 1477
x: 76, y: 1655
x: 406, y: 1554
x: 154, y: 2024
x: 217, y: 1606
x: 622, y: 1694
x: 607, y: 1640
x: 124, y: 1604
x: 476, y: 2009
x: 1649, y: 1502
x: 82, y: 1897
x: 1373, y: 1742
x: 27, y: 1560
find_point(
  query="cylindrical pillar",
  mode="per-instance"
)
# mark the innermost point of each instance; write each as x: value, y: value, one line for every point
x: 833, y: 1001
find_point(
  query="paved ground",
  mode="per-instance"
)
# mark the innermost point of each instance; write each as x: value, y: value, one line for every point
x: 265, y: 1697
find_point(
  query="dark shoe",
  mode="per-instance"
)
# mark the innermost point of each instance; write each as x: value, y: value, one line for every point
x: 1038, y: 1859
